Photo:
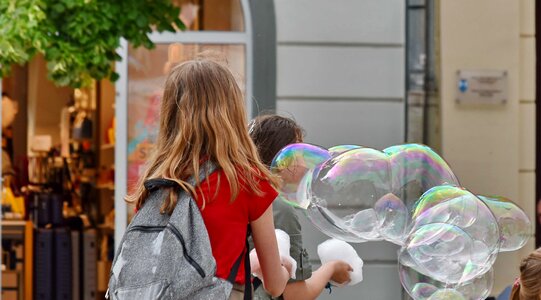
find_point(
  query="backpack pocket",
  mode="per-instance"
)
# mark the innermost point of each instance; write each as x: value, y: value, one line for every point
x: 157, y: 290
x: 197, y: 267
x: 187, y: 256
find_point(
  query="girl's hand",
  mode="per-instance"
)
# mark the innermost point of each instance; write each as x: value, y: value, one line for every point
x: 341, y: 274
x: 286, y: 262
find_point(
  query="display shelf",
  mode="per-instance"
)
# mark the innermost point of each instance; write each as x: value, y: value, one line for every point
x: 23, y: 231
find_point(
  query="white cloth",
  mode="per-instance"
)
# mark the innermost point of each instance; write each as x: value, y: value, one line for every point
x: 334, y: 249
x: 283, y: 248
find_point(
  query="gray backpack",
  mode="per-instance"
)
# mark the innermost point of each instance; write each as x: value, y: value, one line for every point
x: 169, y: 257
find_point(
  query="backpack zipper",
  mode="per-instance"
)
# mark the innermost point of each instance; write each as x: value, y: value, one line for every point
x: 186, y: 255
x: 179, y: 237
x: 147, y: 228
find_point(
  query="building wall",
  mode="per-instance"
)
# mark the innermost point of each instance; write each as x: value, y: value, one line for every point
x: 341, y: 69
x: 340, y: 74
x: 492, y: 149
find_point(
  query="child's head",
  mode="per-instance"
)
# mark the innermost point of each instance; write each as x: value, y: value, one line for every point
x: 202, y: 116
x: 529, y: 285
x: 271, y: 133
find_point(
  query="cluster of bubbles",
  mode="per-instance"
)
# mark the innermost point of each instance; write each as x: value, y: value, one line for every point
x: 407, y: 194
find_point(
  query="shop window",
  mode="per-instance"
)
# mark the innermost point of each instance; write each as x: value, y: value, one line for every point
x: 219, y: 27
x: 211, y: 15
x: 147, y: 71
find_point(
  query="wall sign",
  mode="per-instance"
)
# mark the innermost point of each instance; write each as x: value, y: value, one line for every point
x: 481, y: 87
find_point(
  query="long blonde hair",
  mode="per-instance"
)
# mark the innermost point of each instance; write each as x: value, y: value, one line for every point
x: 529, y: 285
x: 202, y: 117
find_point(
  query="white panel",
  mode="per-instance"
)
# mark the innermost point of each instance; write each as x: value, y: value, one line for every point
x: 380, y: 282
x: 527, y: 68
x: 527, y: 136
x: 342, y: 21
x: 328, y: 123
x: 340, y: 72
x: 527, y: 17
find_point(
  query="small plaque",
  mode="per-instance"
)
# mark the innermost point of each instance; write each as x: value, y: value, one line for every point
x: 481, y: 87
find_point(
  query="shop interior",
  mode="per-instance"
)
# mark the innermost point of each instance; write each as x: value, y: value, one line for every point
x: 58, y: 171
x: 58, y: 160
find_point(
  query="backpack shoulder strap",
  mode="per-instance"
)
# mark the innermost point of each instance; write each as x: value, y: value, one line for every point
x: 244, y: 255
x: 206, y: 169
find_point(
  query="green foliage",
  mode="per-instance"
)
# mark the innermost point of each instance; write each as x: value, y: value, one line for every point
x: 79, y: 38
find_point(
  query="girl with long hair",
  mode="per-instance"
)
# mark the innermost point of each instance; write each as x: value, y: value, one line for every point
x: 202, y: 118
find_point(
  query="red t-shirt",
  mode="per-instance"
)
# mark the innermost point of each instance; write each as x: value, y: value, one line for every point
x: 227, y: 221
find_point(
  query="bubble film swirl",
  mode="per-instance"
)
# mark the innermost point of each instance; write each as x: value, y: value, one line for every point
x: 479, y: 233
x: 416, y: 169
x: 393, y: 214
x: 422, y: 287
x: 447, y: 294
x: 441, y: 251
x: 458, y: 207
x: 515, y: 226
x: 337, y: 150
x: 291, y: 164
x: 346, y: 188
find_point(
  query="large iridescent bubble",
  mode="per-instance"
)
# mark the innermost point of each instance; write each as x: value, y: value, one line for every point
x: 291, y: 164
x: 475, y: 232
x: 423, y: 287
x: 459, y: 207
x: 409, y: 196
x: 515, y: 226
x: 439, y: 250
x: 416, y: 169
x: 345, y: 190
x: 337, y: 150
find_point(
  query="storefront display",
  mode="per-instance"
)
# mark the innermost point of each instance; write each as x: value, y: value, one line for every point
x: 62, y: 181
x: 57, y: 204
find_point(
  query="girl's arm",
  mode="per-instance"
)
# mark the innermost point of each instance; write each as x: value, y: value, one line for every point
x: 312, y: 287
x: 275, y: 275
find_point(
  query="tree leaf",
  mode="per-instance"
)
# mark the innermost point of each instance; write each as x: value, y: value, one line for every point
x: 78, y: 38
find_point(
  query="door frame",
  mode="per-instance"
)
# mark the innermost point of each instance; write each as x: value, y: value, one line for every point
x: 538, y: 125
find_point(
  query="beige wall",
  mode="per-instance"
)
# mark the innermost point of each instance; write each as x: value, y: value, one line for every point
x: 491, y: 149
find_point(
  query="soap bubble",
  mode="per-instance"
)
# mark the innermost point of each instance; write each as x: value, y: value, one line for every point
x: 447, y: 294
x: 394, y: 218
x: 321, y: 217
x: 416, y: 169
x: 337, y: 150
x: 459, y: 207
x: 515, y: 226
x: 345, y: 189
x: 291, y: 164
x: 441, y: 251
x: 479, y: 287
x: 423, y: 287
x: 468, y: 232
x: 435, y: 196
x: 423, y: 290
x: 332, y: 225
